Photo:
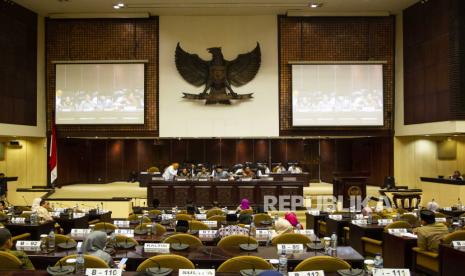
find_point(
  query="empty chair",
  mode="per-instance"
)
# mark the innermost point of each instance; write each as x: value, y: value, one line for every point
x: 214, y: 212
x: 259, y: 218
x: 197, y: 225
x: 235, y: 241
x: 246, y: 211
x: 124, y: 239
x: 172, y: 261
x: 9, y: 261
x: 153, y: 169
x: 218, y: 218
x: 134, y: 217
x: 105, y: 226
x: 372, y: 246
x: 326, y: 263
x: 89, y: 261
x: 236, y: 264
x: 159, y: 229
x: 291, y: 238
x: 155, y: 212
x: 183, y: 217
x: 184, y: 238
x: 410, y: 218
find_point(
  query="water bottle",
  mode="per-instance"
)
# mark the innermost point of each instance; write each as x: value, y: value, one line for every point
x: 334, y: 242
x: 252, y: 229
x: 80, y: 264
x: 283, y: 264
x: 378, y: 261
x: 369, y: 219
x: 51, y: 240
x: 33, y: 218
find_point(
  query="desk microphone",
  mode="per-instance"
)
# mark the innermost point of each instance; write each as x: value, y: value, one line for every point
x: 25, y: 201
x: 254, y: 271
x: 180, y: 246
x: 155, y: 271
x: 248, y: 246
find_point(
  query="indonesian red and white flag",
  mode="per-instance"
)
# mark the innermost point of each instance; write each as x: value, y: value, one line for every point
x: 53, y: 157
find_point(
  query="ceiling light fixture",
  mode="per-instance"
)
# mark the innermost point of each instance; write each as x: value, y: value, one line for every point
x: 118, y: 6
x: 315, y: 5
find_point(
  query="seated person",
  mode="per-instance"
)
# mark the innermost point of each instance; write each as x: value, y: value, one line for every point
x: 245, y: 218
x: 171, y: 172
x: 294, y: 168
x: 245, y: 205
x: 95, y: 244
x: 279, y: 168
x: 41, y: 206
x: 155, y: 203
x: 282, y: 226
x: 232, y: 228
x: 191, y: 208
x: 431, y: 232
x: 182, y: 226
x: 248, y: 173
x: 3, y: 207
x: 292, y: 218
x: 263, y: 170
x: 184, y: 173
x: 203, y: 173
x: 6, y: 244
x: 215, y: 204
x: 220, y: 173
x: 456, y: 176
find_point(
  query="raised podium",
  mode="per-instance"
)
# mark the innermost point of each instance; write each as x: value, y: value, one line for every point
x: 348, y: 186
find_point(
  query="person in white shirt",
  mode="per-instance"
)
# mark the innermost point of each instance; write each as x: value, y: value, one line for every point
x: 171, y: 171
x: 279, y: 168
x: 41, y: 206
x: 295, y: 169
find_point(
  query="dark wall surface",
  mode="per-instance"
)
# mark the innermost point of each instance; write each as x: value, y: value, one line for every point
x: 18, y: 65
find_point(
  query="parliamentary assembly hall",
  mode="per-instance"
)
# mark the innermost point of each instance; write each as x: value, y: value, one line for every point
x: 232, y: 137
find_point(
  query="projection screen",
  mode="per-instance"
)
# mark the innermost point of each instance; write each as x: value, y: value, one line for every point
x: 99, y: 94
x: 337, y: 94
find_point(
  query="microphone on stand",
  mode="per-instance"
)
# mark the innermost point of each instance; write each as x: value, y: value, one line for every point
x: 180, y: 246
x: 248, y: 246
x: 159, y: 270
x: 254, y: 271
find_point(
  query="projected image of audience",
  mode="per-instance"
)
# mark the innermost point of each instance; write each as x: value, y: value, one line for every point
x: 337, y: 95
x: 100, y: 94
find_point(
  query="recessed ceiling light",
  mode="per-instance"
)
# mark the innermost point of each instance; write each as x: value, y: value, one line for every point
x: 121, y: 5
x: 315, y: 5
x: 116, y: 7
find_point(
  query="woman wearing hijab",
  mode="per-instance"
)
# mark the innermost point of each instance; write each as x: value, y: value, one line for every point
x: 282, y: 226
x: 245, y: 205
x: 292, y: 218
x: 94, y: 245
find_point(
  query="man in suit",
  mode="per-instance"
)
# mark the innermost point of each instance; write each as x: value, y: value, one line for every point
x: 431, y: 232
x: 6, y: 244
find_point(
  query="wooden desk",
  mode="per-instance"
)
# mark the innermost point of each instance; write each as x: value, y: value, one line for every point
x: 397, y: 251
x: 35, y: 229
x: 336, y: 226
x: 452, y: 261
x: 103, y: 217
x: 67, y: 224
x: 311, y: 221
x: 202, y: 256
x: 229, y: 193
x: 452, y: 213
x: 357, y: 231
x: 442, y: 180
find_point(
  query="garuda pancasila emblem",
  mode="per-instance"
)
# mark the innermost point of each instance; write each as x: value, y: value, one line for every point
x: 218, y: 74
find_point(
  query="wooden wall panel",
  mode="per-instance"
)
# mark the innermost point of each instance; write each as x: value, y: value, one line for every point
x: 228, y: 156
x: 213, y: 151
x: 244, y: 150
x: 18, y: 66
x: 196, y: 150
x: 130, y: 158
x: 278, y: 151
x: 115, y: 156
x: 261, y: 150
x: 434, y: 60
